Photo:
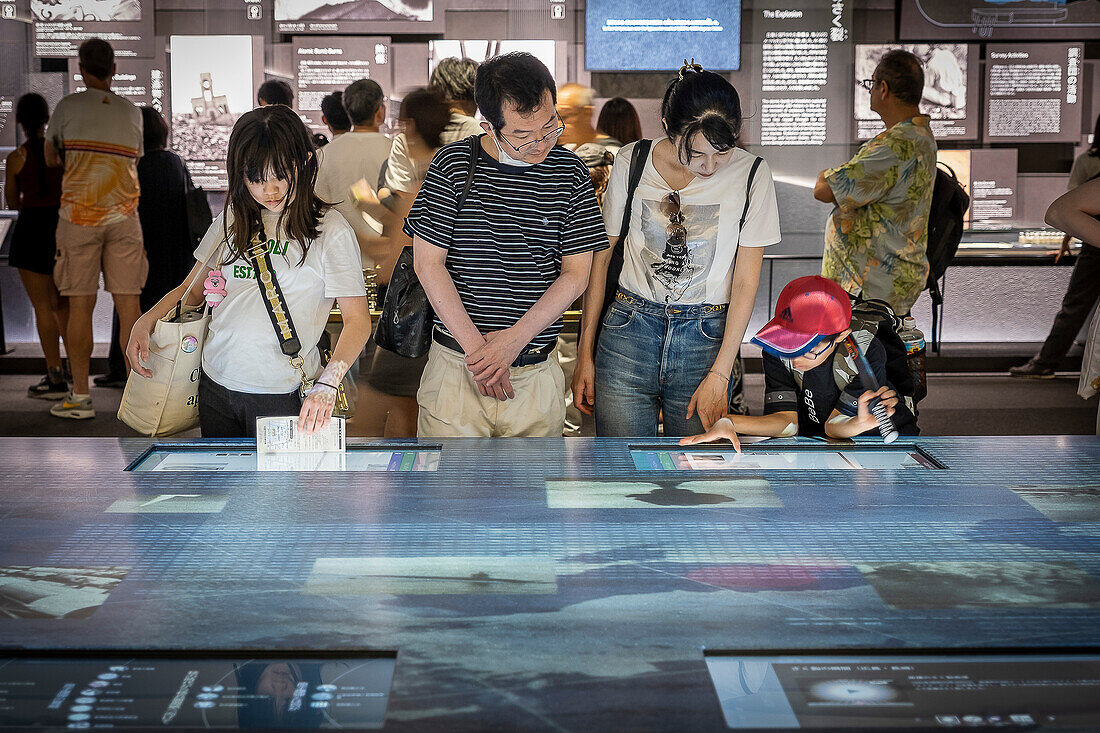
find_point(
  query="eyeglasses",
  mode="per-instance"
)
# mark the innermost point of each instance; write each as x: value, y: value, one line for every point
x: 675, y: 230
x: 820, y: 349
x: 867, y: 84
x: 552, y: 135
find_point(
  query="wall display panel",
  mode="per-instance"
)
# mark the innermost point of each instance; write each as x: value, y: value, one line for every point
x: 358, y: 16
x: 993, y: 186
x: 950, y: 88
x: 1033, y: 92
x: 649, y: 35
x: 142, y: 81
x: 326, y: 64
x: 213, y: 82
x: 481, y: 51
x: 990, y: 179
x: 7, y: 121
x: 60, y: 26
x: 804, y: 56
x: 1025, y: 20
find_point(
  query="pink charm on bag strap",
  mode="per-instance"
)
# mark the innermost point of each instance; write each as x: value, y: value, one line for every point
x: 214, y: 288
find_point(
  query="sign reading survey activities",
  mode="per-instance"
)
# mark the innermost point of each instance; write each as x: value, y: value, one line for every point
x: 1033, y: 92
x: 326, y: 64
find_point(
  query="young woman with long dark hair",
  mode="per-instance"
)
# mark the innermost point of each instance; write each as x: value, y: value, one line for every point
x: 315, y: 257
x: 671, y: 338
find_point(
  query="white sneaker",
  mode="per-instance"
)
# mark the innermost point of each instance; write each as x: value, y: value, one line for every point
x: 73, y: 409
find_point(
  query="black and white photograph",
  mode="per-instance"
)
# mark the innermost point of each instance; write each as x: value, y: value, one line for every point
x: 603, y: 494
x: 945, y: 77
x: 48, y: 592
x: 1063, y: 503
x: 982, y: 584
x: 86, y: 10
x: 432, y: 575
x: 212, y: 86
x: 337, y: 10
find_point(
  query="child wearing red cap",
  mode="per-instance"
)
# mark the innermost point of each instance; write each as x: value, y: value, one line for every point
x: 810, y: 390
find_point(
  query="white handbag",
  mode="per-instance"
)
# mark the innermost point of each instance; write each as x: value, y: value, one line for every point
x: 168, y: 402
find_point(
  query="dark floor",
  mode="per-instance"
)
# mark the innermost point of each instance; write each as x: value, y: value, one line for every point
x: 957, y: 404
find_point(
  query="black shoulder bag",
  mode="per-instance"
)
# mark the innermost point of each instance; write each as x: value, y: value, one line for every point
x: 405, y: 326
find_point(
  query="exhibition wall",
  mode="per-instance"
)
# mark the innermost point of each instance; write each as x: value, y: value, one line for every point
x: 1012, y: 97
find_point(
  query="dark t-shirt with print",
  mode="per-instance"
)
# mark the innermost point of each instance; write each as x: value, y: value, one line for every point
x: 820, y: 395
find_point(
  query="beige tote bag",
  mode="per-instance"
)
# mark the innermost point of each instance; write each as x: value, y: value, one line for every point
x: 168, y: 402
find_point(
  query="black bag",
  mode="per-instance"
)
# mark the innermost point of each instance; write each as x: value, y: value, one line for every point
x: 945, y: 229
x: 880, y: 320
x: 405, y: 326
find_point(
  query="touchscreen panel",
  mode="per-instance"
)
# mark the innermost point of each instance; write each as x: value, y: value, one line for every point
x: 786, y: 458
x: 184, y: 459
x: 1024, y: 691
x: 196, y: 690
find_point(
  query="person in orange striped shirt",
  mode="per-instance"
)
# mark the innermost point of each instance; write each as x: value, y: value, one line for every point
x: 96, y: 137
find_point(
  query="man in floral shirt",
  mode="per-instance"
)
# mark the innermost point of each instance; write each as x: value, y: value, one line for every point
x: 877, y: 236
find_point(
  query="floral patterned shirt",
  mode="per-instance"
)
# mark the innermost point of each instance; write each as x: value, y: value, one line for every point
x: 877, y: 236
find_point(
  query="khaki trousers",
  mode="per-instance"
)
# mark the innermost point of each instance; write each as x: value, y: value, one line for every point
x: 452, y: 407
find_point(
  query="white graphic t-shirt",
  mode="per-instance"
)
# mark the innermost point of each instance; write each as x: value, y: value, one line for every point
x: 242, y: 352
x: 701, y: 269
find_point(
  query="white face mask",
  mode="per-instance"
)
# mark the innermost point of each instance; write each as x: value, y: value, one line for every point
x: 508, y: 159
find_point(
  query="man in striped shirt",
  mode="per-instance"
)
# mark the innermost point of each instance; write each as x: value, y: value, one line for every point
x: 96, y: 136
x: 502, y: 269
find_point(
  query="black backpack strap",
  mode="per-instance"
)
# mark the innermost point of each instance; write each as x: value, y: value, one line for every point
x: 474, y: 142
x: 748, y: 195
x: 637, y: 164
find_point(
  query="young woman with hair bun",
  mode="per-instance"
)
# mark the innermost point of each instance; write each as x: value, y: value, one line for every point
x: 670, y: 341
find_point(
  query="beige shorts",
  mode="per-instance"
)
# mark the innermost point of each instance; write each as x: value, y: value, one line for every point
x: 452, y: 407
x: 114, y: 249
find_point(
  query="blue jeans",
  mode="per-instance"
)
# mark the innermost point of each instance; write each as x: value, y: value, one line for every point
x: 650, y: 360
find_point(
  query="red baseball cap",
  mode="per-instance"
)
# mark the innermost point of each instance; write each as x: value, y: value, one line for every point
x: 809, y: 309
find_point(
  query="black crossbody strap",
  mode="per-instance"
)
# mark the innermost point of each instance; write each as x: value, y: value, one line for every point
x: 277, y: 309
x: 638, y: 158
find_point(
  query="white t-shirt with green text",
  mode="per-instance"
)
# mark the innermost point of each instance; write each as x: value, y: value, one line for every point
x: 242, y: 352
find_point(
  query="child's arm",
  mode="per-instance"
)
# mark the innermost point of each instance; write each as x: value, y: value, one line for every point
x: 840, y: 425
x: 776, y: 425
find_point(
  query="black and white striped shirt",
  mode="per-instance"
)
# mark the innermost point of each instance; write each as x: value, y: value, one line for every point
x: 504, y: 248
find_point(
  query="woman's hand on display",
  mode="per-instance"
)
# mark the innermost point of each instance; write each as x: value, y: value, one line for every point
x: 137, y: 348
x: 490, y: 363
x: 722, y: 429
x: 317, y: 408
x: 584, y: 385
x: 711, y: 399
x: 889, y: 399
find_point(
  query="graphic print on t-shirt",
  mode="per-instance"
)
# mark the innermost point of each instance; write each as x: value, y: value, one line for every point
x: 680, y: 271
x: 242, y: 270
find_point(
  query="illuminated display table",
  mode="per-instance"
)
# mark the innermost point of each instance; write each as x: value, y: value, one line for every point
x: 547, y: 584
